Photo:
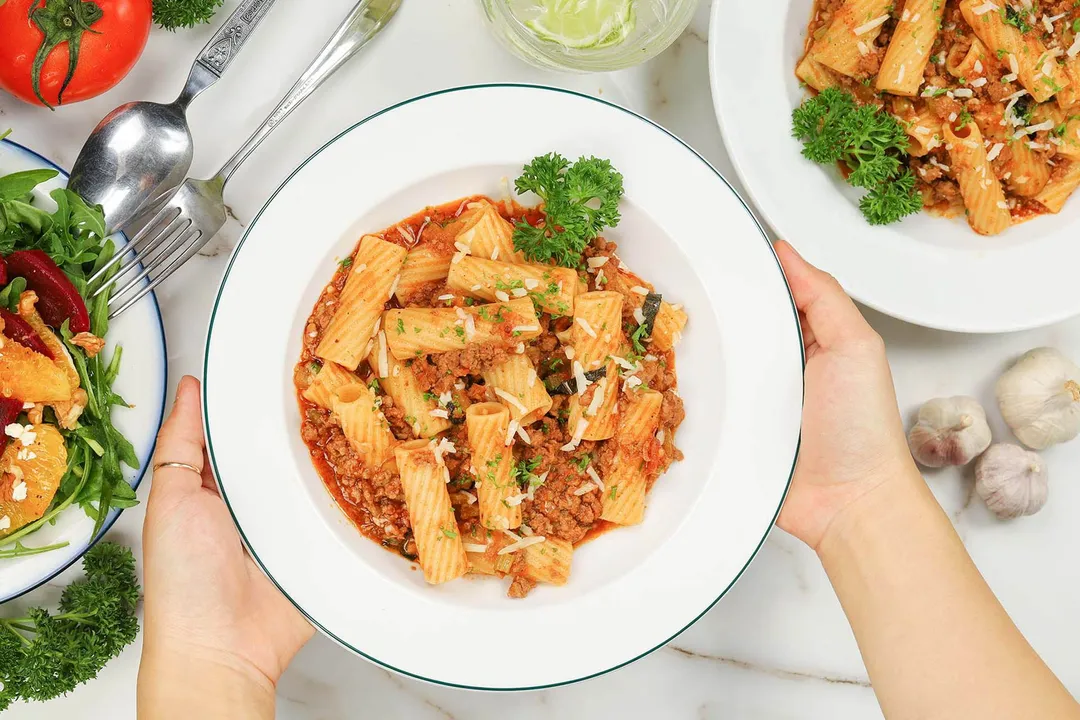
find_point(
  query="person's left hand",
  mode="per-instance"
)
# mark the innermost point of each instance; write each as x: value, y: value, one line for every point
x: 205, y: 598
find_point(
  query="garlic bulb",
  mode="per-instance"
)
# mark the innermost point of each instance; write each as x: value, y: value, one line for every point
x: 949, y: 431
x: 1011, y: 481
x: 1039, y: 398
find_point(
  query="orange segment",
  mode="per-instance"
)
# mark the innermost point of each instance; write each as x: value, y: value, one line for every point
x: 41, y: 465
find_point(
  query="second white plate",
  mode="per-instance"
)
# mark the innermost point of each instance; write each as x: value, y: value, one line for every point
x: 926, y: 270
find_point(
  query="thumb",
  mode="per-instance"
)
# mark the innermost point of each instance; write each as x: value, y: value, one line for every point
x: 181, y: 441
x: 832, y: 316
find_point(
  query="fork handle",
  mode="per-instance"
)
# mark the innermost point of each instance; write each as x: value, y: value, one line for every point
x: 225, y: 45
x: 364, y: 22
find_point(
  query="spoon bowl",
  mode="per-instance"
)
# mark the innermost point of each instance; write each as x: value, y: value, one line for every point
x: 138, y: 155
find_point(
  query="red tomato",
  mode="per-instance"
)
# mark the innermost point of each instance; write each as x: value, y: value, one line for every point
x: 106, y: 52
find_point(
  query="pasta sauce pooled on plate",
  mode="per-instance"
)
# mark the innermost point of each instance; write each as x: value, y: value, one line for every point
x: 479, y: 413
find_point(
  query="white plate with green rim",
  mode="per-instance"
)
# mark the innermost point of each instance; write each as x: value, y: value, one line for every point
x: 739, y: 364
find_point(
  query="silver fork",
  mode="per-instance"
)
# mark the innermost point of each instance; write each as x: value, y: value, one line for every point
x: 196, y: 212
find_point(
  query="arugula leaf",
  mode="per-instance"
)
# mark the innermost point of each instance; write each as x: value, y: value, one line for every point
x: 579, y: 201
x: 17, y: 186
x: 9, y: 296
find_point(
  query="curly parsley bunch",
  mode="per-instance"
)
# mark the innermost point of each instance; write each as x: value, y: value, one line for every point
x: 43, y: 655
x: 173, y: 14
x: 580, y: 200
x: 870, y: 142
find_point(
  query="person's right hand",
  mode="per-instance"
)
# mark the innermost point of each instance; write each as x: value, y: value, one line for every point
x: 852, y: 436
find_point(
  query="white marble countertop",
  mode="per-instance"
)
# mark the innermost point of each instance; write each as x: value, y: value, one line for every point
x: 777, y: 646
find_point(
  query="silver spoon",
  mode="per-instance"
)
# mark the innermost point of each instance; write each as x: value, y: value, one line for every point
x: 141, y: 152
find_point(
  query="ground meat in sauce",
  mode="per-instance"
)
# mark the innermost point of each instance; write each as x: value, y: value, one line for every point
x: 373, y: 498
x: 935, y: 178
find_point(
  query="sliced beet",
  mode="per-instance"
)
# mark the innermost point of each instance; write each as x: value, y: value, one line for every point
x: 58, y: 300
x: 20, y: 331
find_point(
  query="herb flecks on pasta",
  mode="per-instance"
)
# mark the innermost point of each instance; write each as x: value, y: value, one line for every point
x: 517, y: 398
x: 986, y: 91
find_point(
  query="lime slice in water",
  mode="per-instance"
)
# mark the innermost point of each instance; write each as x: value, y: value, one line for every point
x: 583, y: 24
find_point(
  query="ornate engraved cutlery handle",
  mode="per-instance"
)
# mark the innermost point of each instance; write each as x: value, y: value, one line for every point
x: 232, y: 35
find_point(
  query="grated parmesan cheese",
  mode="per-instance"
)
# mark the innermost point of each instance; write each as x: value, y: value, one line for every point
x: 585, y: 326
x: 509, y: 397
x: 522, y: 544
x: 872, y: 25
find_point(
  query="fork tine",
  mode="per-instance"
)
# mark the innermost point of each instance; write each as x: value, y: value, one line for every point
x: 142, y: 235
x: 175, y: 240
x: 178, y: 226
x: 197, y: 242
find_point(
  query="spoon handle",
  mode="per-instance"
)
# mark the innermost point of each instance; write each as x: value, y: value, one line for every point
x: 364, y: 22
x: 218, y: 54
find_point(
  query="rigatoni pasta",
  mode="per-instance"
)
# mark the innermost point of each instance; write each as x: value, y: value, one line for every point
x: 515, y: 384
x: 435, y: 527
x: 595, y: 337
x: 356, y: 409
x: 552, y: 289
x: 423, y: 265
x: 1060, y: 188
x: 901, y: 71
x: 329, y: 378
x: 987, y: 211
x: 854, y: 28
x: 815, y: 75
x: 373, y: 275
x: 426, y: 414
x: 624, y: 498
x: 420, y: 331
x: 478, y: 437
x: 490, y: 441
x: 486, y: 234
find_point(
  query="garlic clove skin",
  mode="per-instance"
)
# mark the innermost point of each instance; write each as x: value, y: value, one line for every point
x: 1011, y: 481
x: 1039, y: 398
x: 949, y: 431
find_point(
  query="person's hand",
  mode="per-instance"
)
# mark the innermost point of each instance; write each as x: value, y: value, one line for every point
x: 852, y: 436
x: 206, y: 602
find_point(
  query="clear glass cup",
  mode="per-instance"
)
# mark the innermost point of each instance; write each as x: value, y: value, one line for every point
x: 657, y: 24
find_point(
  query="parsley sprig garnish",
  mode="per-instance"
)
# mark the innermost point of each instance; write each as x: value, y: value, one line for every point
x: 45, y: 655
x: 870, y: 142
x: 580, y: 200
